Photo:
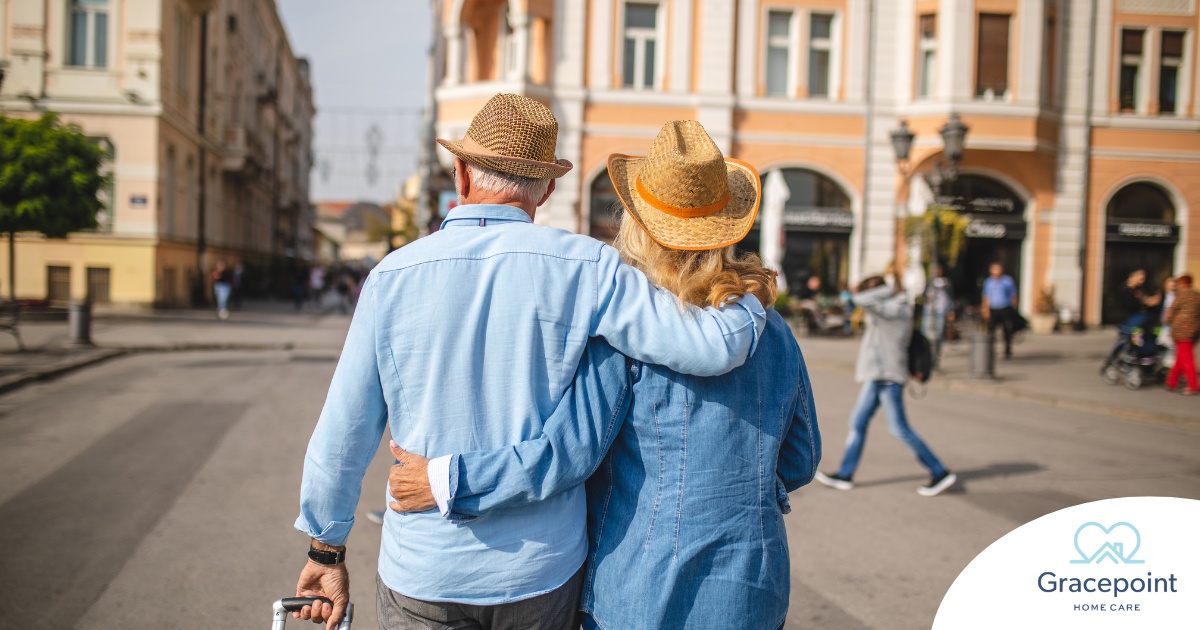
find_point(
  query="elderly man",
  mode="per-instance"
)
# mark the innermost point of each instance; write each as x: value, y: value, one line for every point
x: 458, y: 340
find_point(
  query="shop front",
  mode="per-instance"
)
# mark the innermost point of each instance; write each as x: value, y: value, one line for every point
x: 995, y: 234
x: 1140, y: 233
x: 817, y: 223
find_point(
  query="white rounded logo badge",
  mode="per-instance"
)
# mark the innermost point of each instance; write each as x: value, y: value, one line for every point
x: 1129, y: 563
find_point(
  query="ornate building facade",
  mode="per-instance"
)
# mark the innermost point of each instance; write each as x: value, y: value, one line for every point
x: 1082, y: 158
x: 207, y: 114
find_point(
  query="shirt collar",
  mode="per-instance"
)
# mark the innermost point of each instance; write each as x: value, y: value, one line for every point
x: 477, y: 214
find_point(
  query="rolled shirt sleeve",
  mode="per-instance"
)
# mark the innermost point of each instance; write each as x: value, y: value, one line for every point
x: 652, y: 325
x: 347, y: 433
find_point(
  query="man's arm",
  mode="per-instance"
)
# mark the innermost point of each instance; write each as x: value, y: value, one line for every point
x: 651, y: 325
x: 341, y: 447
x: 573, y: 442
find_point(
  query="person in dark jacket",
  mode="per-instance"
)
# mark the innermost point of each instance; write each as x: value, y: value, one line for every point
x: 883, y: 370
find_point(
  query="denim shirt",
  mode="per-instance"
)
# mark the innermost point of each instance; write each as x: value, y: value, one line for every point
x: 685, y: 514
x: 463, y: 341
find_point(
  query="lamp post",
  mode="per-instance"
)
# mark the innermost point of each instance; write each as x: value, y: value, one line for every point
x: 942, y: 176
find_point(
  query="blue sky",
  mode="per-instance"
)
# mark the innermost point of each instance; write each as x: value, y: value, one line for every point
x: 368, y: 63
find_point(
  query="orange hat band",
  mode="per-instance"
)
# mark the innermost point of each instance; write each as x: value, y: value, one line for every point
x: 677, y: 211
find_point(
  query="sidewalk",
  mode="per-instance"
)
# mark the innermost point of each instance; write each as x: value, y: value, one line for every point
x: 1061, y: 370
x: 259, y: 326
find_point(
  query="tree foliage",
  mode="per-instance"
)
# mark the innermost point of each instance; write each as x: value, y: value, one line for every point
x: 942, y: 227
x: 50, y: 177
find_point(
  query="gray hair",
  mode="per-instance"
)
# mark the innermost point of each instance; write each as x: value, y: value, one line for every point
x: 521, y: 189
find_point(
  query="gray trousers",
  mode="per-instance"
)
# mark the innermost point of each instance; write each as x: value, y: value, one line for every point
x: 556, y: 610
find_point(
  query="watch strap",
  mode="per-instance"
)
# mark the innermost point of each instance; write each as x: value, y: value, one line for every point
x: 321, y: 556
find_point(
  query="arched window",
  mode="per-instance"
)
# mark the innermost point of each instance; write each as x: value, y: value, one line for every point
x: 605, y: 209
x: 810, y: 189
x: 1142, y: 201
x: 816, y: 230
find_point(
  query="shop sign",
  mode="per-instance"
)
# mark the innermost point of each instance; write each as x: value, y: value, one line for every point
x: 983, y: 229
x: 1143, y: 232
x: 137, y: 201
x: 998, y: 205
x: 819, y: 219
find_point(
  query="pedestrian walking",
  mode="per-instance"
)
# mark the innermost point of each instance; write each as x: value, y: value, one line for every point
x: 999, y: 307
x: 316, y: 285
x: 883, y: 370
x: 452, y: 350
x: 239, y: 273
x: 222, y: 278
x: 1184, y: 318
x: 937, y: 310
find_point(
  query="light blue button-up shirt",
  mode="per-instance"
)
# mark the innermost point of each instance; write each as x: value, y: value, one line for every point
x: 463, y: 341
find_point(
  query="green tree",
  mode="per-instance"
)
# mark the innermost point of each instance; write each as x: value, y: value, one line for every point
x: 49, y: 181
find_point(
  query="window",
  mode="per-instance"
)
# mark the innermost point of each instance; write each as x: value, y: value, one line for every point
x: 58, y: 283
x: 991, y: 69
x: 169, y: 194
x: 89, y: 34
x: 104, y: 218
x: 508, y: 46
x: 1132, y: 45
x: 779, y: 51
x: 183, y: 49
x: 641, y: 43
x: 97, y: 285
x: 926, y: 55
x: 1171, y: 58
x: 1049, y: 93
x: 820, y: 51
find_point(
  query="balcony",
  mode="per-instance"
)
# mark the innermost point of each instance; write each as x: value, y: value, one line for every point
x: 235, y: 149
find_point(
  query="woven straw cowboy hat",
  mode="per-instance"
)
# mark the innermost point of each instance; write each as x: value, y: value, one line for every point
x: 512, y: 134
x: 684, y: 193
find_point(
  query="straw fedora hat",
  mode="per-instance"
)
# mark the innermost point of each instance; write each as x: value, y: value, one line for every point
x: 684, y: 193
x: 512, y: 134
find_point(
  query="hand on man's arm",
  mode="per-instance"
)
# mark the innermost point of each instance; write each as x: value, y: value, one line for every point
x: 408, y: 482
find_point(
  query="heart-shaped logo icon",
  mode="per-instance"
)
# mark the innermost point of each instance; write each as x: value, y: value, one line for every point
x: 1118, y: 543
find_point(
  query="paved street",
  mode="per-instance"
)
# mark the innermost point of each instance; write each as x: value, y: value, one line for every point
x: 158, y: 490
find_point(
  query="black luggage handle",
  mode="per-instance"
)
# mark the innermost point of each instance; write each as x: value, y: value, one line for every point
x: 287, y: 605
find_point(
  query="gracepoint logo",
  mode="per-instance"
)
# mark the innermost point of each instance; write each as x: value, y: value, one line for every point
x: 1118, y: 543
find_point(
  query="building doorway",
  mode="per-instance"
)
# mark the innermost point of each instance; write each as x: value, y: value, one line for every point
x: 996, y: 233
x: 1140, y: 233
x: 817, y: 222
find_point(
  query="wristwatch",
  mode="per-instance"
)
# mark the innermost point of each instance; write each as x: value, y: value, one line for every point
x: 330, y: 558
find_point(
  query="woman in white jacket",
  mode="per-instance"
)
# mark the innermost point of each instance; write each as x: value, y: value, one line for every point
x: 883, y: 371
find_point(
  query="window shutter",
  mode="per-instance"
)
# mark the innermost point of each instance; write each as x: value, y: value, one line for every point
x: 991, y: 70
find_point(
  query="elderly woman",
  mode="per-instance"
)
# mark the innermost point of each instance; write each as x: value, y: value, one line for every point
x: 685, y: 514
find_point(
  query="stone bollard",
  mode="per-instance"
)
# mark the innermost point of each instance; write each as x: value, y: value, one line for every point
x: 79, y: 324
x: 983, y: 356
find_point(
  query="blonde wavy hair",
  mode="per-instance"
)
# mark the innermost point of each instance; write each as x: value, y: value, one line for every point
x: 711, y: 277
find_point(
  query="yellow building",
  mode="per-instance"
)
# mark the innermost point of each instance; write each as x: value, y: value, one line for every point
x: 1082, y: 159
x: 210, y: 155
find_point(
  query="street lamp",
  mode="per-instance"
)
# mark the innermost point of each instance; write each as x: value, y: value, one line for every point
x: 944, y: 171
